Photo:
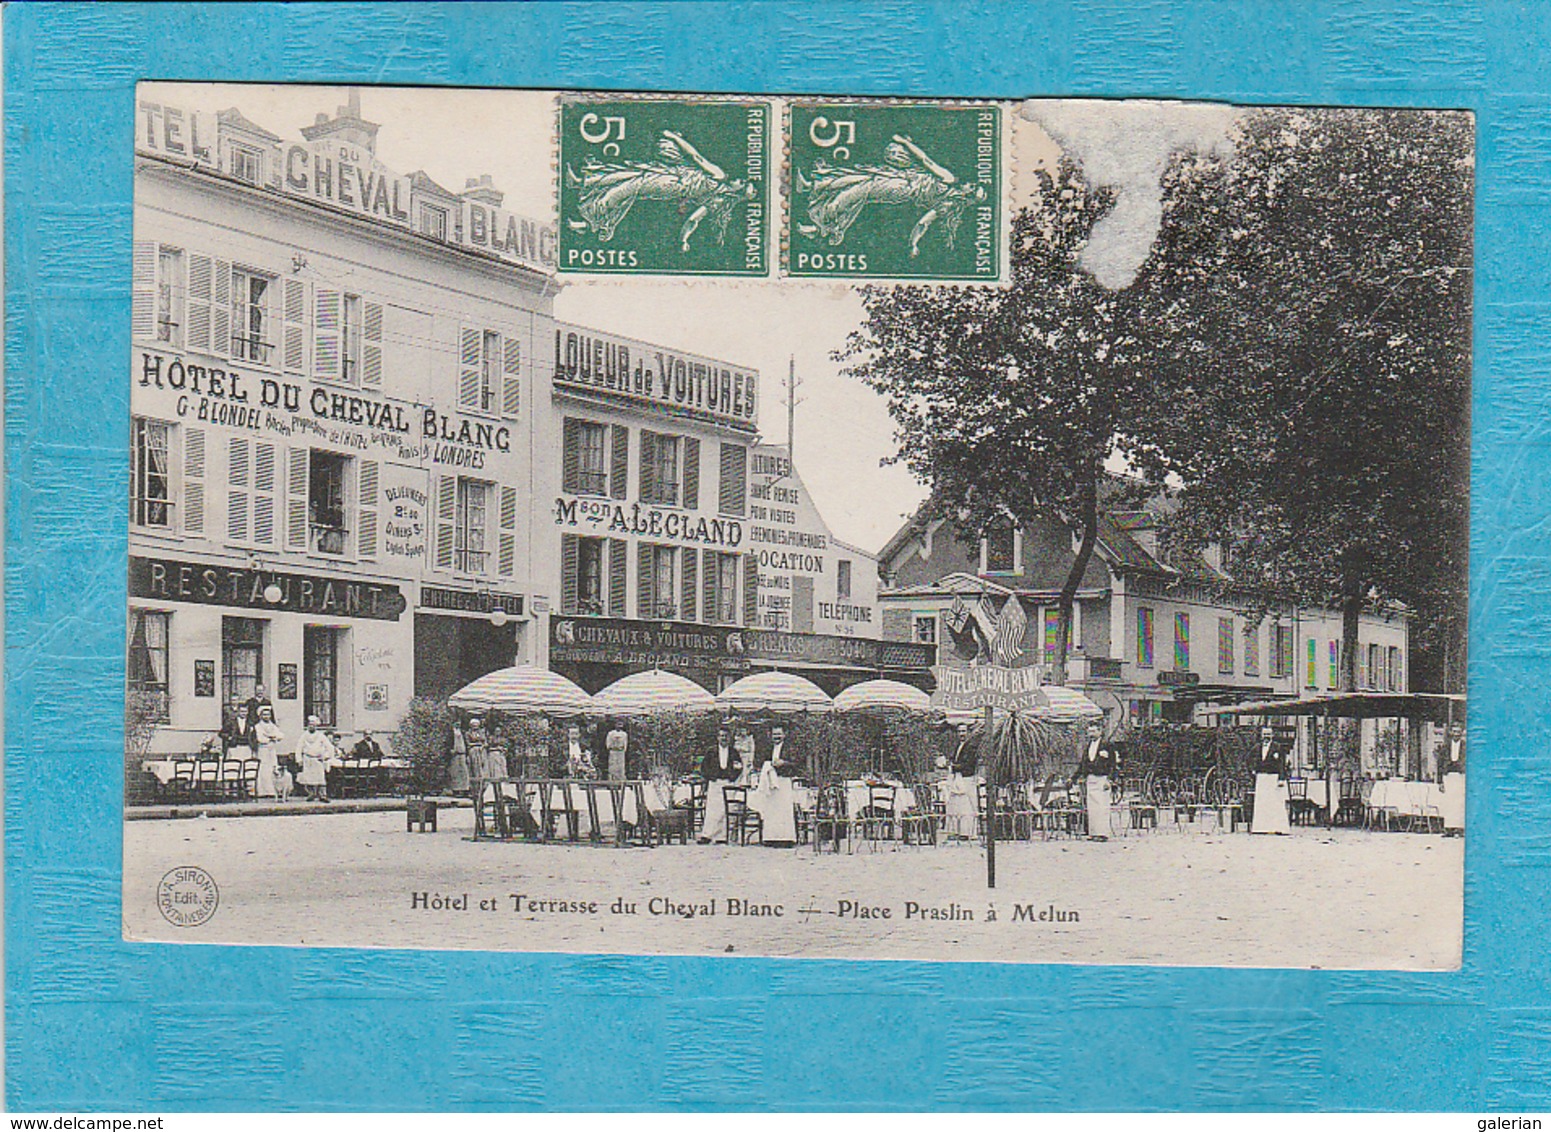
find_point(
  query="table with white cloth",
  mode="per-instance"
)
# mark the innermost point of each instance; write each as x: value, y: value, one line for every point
x: 613, y: 806
x: 1407, y: 798
x: 163, y: 770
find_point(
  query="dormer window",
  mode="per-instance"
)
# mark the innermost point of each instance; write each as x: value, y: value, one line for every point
x: 247, y: 164
x: 1001, y: 550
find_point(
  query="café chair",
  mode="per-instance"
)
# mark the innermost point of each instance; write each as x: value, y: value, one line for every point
x: 231, y: 779
x: 918, y: 824
x: 830, y: 820
x: 741, y: 821
x: 880, y: 818
x: 250, y: 773
x: 208, y: 784
x: 184, y: 782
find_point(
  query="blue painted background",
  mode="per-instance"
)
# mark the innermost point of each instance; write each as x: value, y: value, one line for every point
x: 94, y: 1023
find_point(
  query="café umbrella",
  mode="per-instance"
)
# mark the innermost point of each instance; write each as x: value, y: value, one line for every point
x: 779, y: 692
x: 881, y: 696
x: 652, y: 693
x: 523, y: 690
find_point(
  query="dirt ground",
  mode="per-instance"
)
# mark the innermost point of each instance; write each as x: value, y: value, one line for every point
x: 1317, y: 898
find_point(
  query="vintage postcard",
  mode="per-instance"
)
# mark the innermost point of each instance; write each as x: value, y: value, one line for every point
x: 790, y: 525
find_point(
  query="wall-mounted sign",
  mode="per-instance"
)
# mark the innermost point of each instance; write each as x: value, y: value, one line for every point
x: 286, y: 689
x: 204, y: 679
x: 470, y: 601
x: 646, y: 644
x: 838, y: 651
x: 1171, y: 679
x: 376, y: 697
x: 654, y: 376
x: 987, y: 685
x: 167, y: 579
x: 605, y: 517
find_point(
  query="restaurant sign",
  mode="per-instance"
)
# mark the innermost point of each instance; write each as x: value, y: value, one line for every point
x: 641, y: 645
x: 987, y: 685
x: 590, y: 361
x: 167, y: 579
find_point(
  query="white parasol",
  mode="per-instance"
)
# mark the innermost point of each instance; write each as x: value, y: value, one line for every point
x: 523, y: 690
x: 652, y: 693
x: 778, y: 692
x: 882, y: 696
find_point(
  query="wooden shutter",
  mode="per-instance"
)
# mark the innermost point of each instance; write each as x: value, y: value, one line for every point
x: 648, y: 462
x: 293, y: 328
x: 328, y: 344
x: 221, y: 307
x: 506, y: 557
x: 571, y: 456
x: 511, y: 377
x: 371, y: 344
x: 802, y: 603
x: 446, y: 519
x: 733, y: 488
x: 689, y: 588
x: 469, y: 353
x: 691, y: 473
x: 367, y: 505
x: 750, y: 589
x: 617, y: 551
x: 194, y: 481
x: 645, y: 606
x: 570, y: 580
x: 297, y: 460
x: 143, y: 291
x: 266, y: 476
x: 200, y: 273
x: 619, y: 462
x: 709, y: 577
x: 239, y: 489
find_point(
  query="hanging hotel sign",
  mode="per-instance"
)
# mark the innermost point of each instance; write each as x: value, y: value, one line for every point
x: 987, y: 685
x: 201, y: 583
x: 347, y: 177
x: 593, y: 362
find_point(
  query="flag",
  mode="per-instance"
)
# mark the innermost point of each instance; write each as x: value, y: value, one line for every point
x: 981, y: 619
x: 1011, y: 627
x: 958, y: 615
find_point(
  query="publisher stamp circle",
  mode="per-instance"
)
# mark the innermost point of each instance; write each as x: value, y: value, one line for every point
x: 187, y: 896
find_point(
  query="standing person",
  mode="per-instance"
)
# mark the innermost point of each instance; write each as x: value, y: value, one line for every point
x: 481, y: 766
x: 578, y: 763
x: 458, y: 776
x: 778, y: 801
x: 236, y: 735
x: 256, y: 703
x: 617, y: 743
x: 314, y: 752
x: 962, y: 805
x: 267, y: 739
x: 719, y: 768
x: 1454, y: 783
x: 1095, y: 768
x: 1270, y: 814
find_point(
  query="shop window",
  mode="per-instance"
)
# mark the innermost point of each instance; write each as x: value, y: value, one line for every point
x: 171, y: 285
x: 247, y: 164
x: 659, y: 469
x: 150, y: 473
x: 433, y: 221
x: 1000, y: 550
x: 924, y: 629
x: 843, y: 580
x: 327, y: 506
x: 250, y: 315
x: 733, y: 493
x: 320, y: 674
x: 149, y: 632
x: 589, y: 576
x: 1226, y: 644
x: 1181, y: 642
x: 470, y: 526
x: 586, y: 458
x: 721, y: 583
x: 1252, y: 650
x: 242, y: 657
x: 1144, y: 637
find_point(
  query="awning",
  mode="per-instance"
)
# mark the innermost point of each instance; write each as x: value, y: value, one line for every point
x: 1430, y: 706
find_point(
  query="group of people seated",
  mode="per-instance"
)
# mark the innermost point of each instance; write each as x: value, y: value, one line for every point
x: 248, y: 730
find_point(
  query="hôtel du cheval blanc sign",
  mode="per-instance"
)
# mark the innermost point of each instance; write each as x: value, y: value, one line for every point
x: 987, y: 685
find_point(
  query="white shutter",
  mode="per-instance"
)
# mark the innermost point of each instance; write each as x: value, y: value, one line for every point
x: 239, y: 489
x: 265, y: 481
x: 200, y: 283
x: 507, y: 537
x: 371, y: 343
x: 470, y: 343
x: 366, y: 510
x: 446, y: 516
x: 293, y: 331
x: 326, y: 364
x: 296, y: 499
x: 221, y: 307
x: 143, y: 292
x: 511, y: 377
x: 193, y: 481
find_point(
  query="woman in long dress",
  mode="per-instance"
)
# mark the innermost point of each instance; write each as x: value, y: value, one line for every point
x: 315, y: 752
x: 777, y: 799
x: 458, y: 776
x: 1454, y: 784
x: 268, y: 737
x: 720, y: 768
x: 1095, y: 768
x: 1270, y: 814
x: 962, y: 804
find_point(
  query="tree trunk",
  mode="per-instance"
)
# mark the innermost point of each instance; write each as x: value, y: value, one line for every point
x: 1090, y: 537
x: 1351, y: 613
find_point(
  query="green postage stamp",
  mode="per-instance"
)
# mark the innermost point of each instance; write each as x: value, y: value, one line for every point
x: 671, y: 186
x: 894, y: 191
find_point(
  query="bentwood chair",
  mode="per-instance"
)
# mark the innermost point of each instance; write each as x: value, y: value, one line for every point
x: 208, y: 783
x: 918, y: 824
x: 830, y: 820
x: 742, y: 822
x: 184, y: 782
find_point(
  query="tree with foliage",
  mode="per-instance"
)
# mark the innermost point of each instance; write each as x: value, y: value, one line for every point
x: 1007, y: 402
x: 1311, y: 382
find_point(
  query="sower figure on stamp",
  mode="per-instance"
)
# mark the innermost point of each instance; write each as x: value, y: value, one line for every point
x: 719, y: 768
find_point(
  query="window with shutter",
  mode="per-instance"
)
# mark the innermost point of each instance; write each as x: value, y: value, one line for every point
x: 150, y: 473
x: 367, y: 509
x: 446, y: 520
x: 589, y: 576
x: 221, y: 328
x: 239, y: 489
x: 469, y: 377
x: 201, y: 280
x: 733, y: 493
x: 293, y: 331
x: 802, y: 603
x: 689, y: 589
x: 644, y: 591
x: 266, y: 474
x: 618, y: 548
x: 569, y: 588
x: 571, y: 455
x: 750, y: 589
x: 708, y: 576
x: 691, y: 473
x: 194, y: 481
x: 297, y: 462
x: 647, y: 487
x: 328, y: 336
x: 507, y: 549
x: 511, y: 377
x: 371, y: 344
x: 619, y: 455
x: 170, y: 291
x: 142, y: 320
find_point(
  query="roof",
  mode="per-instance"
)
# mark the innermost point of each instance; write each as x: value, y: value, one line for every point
x: 231, y: 116
x: 421, y: 182
x: 1432, y: 706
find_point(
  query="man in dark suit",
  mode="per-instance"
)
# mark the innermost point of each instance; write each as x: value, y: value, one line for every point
x: 259, y: 699
x: 718, y: 768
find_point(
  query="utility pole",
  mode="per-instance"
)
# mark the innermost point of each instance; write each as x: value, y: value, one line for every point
x: 791, y: 408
